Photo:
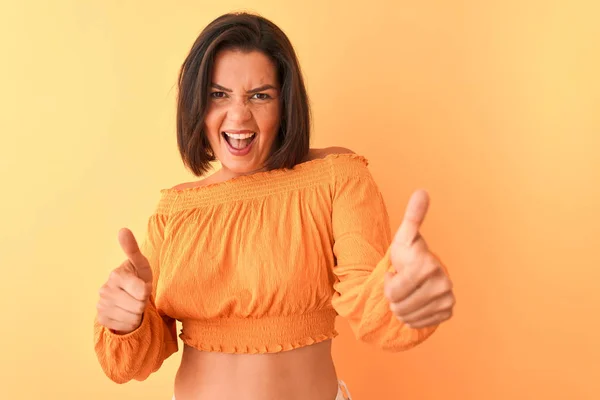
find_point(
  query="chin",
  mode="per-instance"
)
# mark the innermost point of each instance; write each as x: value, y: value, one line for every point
x: 240, y: 167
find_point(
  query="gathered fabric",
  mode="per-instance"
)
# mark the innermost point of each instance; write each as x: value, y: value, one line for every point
x: 262, y: 264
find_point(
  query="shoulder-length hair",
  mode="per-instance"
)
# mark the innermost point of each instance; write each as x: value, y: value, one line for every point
x: 245, y: 32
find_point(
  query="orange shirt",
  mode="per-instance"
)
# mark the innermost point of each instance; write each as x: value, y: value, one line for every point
x: 263, y: 263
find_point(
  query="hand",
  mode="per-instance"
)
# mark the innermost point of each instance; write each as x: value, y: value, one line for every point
x: 124, y: 296
x: 420, y: 293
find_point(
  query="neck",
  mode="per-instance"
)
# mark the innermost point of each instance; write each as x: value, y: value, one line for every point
x: 225, y: 174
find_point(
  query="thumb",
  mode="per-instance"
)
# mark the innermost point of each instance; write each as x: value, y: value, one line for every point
x: 134, y: 255
x: 414, y: 216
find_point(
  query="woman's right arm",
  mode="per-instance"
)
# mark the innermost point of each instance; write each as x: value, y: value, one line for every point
x: 132, y: 337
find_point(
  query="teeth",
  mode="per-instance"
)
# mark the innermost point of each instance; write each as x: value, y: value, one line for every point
x: 239, y: 136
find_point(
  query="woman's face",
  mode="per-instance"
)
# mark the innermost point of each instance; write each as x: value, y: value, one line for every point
x: 244, y: 109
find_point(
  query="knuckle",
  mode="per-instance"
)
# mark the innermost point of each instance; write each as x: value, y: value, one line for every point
x: 444, y: 303
x: 136, y: 288
x: 116, y: 305
x: 125, y: 280
x: 430, y: 267
x: 445, y: 285
x: 430, y: 262
x: 430, y: 259
x: 102, y: 320
x: 452, y: 300
x: 104, y: 291
x: 130, y: 284
x: 114, y: 275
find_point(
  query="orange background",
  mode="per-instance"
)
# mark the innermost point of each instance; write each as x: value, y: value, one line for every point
x: 493, y: 106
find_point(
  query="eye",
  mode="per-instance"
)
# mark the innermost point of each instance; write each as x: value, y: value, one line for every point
x: 261, y: 96
x: 218, y: 95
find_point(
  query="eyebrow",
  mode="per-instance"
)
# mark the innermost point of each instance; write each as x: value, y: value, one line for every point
x: 255, y: 90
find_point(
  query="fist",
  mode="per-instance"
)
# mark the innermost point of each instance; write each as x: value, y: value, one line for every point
x: 124, y: 296
x: 420, y: 292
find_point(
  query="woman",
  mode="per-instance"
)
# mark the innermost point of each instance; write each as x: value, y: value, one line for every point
x: 257, y: 259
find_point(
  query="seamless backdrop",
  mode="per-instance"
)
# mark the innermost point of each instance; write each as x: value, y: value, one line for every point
x: 494, y: 107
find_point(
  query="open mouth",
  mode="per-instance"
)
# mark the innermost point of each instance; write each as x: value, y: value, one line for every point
x: 239, y: 141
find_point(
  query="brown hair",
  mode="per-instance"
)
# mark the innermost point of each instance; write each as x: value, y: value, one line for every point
x: 245, y: 32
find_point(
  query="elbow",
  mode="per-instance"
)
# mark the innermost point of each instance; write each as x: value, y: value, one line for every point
x: 119, y: 379
x: 397, y: 347
x: 119, y: 375
x: 118, y: 366
x: 116, y: 375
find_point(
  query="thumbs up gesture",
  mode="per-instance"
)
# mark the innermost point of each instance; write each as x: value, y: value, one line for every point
x: 420, y: 293
x: 124, y: 296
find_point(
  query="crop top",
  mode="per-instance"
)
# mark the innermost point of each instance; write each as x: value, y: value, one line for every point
x: 264, y: 263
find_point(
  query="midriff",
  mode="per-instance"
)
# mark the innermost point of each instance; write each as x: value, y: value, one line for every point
x: 304, y: 373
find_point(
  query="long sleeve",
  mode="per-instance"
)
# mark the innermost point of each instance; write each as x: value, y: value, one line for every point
x: 362, y: 239
x: 139, y: 353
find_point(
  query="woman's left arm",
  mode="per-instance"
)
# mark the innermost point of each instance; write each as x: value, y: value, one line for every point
x: 394, y: 292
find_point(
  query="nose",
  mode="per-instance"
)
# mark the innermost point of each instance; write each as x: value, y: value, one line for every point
x: 239, y: 112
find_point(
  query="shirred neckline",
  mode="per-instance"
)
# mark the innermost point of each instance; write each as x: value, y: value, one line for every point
x: 318, y: 163
x: 260, y: 184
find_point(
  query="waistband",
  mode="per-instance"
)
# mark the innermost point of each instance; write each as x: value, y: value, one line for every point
x: 259, y: 335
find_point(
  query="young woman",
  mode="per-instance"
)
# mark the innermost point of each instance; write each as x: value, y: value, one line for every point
x: 257, y: 259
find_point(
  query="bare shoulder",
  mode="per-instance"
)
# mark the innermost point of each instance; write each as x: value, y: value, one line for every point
x: 185, y: 185
x: 337, y: 150
x: 315, y: 154
x: 203, y: 182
